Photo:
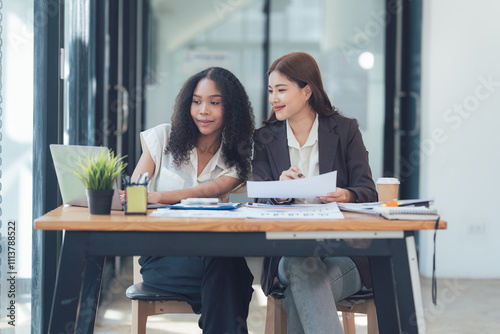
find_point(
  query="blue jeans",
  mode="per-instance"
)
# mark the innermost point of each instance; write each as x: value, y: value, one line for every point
x: 220, y: 288
x: 312, y: 287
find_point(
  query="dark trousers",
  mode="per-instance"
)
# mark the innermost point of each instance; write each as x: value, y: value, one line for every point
x: 220, y: 288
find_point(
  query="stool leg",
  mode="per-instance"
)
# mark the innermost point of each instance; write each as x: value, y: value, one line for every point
x: 281, y: 325
x: 349, y: 324
x: 275, y: 317
x: 139, y: 316
x: 270, y: 316
x: 371, y: 316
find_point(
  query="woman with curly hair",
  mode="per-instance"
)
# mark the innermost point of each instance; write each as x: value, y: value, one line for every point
x: 205, y: 152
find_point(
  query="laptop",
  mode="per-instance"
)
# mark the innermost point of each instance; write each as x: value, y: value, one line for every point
x: 66, y: 159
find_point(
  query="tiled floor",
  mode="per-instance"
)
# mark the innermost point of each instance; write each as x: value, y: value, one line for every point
x: 463, y: 306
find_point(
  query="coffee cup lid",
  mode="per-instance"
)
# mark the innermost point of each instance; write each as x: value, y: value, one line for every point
x: 387, y: 180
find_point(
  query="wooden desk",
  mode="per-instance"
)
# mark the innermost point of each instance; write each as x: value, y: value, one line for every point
x: 89, y: 239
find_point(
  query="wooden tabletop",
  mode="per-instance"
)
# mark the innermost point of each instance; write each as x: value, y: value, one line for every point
x: 79, y: 219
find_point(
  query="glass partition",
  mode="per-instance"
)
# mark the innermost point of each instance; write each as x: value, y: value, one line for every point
x: 345, y: 37
x: 189, y: 36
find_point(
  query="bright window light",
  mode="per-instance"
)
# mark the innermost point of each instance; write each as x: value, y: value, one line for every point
x: 366, y: 60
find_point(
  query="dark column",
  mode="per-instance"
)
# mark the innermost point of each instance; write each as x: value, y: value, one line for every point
x: 409, y: 99
x: 390, y: 87
x: 265, y: 49
x: 80, y: 53
x: 402, y: 94
x: 47, y: 129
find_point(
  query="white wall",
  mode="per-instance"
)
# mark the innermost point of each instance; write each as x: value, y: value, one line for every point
x: 461, y: 135
x: 16, y: 159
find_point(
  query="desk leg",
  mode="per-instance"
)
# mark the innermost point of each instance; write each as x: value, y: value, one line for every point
x: 415, y: 284
x: 68, y: 283
x: 407, y: 278
x: 91, y: 290
x: 384, y: 293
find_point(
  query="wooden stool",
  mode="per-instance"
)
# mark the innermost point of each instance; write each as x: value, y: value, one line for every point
x: 148, y: 301
x: 362, y: 303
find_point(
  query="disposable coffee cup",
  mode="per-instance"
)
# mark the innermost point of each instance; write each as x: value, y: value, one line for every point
x: 388, y: 188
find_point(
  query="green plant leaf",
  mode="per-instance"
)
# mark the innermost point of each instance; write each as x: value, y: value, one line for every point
x: 100, y: 171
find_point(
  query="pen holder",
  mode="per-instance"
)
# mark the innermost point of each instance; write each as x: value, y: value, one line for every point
x: 136, y: 199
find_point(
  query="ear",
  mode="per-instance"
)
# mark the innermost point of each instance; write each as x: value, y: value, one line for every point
x: 307, y: 91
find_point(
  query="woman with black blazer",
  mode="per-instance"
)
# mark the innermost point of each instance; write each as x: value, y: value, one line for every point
x: 306, y: 136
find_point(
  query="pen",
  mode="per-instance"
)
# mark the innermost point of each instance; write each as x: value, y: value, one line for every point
x: 142, y: 179
x: 391, y: 203
x: 125, y: 179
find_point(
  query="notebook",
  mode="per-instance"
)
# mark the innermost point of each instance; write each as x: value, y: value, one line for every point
x: 407, y: 213
x: 66, y: 159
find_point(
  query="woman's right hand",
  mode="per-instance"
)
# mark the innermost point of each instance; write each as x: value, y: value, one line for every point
x: 154, y: 198
x: 291, y: 174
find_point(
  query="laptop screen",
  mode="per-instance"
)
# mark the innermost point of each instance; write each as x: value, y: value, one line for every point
x: 66, y: 160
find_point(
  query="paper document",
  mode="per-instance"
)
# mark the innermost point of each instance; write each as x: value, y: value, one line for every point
x: 309, y: 187
x: 236, y: 213
x: 360, y: 207
x: 314, y: 211
x: 303, y: 211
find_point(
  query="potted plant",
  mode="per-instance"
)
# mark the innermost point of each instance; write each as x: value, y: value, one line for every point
x: 98, y: 174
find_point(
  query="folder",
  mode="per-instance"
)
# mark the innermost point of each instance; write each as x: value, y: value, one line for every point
x: 217, y: 206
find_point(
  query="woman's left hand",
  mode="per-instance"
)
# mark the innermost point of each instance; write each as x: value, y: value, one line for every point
x: 341, y: 195
x: 122, y: 195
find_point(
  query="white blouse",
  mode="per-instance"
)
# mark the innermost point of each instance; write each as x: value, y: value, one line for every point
x: 167, y: 176
x: 306, y: 158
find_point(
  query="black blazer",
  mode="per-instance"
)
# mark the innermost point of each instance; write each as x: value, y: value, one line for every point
x: 340, y: 148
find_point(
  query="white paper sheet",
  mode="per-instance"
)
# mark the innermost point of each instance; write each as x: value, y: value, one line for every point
x: 308, y: 187
x: 237, y: 213
x: 319, y: 211
x: 303, y: 211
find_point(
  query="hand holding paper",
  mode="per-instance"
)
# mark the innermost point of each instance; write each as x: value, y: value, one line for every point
x: 341, y: 195
x: 309, y: 187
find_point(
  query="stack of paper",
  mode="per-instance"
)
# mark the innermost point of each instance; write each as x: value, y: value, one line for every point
x: 360, y: 207
x: 299, y: 211
x: 176, y: 213
x: 406, y: 209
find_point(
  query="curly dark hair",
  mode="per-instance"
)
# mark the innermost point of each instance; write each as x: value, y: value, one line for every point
x: 238, y: 121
